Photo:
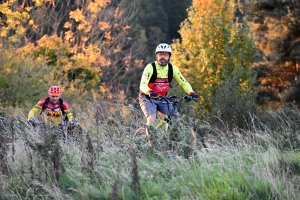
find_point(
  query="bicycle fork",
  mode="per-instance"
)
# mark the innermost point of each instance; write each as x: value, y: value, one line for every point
x: 167, y: 120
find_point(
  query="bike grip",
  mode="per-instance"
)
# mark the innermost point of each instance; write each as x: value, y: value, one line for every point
x: 188, y: 98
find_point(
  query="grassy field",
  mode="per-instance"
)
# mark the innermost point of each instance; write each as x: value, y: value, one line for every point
x: 262, y: 162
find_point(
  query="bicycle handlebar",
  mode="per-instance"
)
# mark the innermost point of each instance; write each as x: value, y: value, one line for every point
x: 34, y: 123
x: 175, y: 100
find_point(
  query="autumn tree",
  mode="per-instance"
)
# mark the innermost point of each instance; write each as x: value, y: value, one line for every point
x: 214, y: 48
x: 122, y: 49
x: 91, y: 45
x: 275, y: 26
x: 78, y: 39
x: 21, y: 79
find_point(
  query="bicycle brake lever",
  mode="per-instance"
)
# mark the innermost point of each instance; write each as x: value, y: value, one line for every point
x: 188, y: 98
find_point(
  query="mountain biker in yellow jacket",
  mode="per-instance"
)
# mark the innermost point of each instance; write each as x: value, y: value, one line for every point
x: 150, y: 90
x: 55, y: 109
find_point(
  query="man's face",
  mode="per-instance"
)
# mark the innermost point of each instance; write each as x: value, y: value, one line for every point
x: 54, y: 99
x: 163, y: 58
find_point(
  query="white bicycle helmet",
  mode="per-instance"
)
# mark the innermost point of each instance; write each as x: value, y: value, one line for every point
x: 163, y: 47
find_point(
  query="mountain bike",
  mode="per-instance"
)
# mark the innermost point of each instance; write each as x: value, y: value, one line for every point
x: 71, y: 131
x: 176, y: 130
x: 67, y: 131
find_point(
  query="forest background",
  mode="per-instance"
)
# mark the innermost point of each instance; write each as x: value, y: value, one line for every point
x: 98, y: 49
x: 237, y: 55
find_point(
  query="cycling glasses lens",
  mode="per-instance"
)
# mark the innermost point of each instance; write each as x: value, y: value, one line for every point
x: 163, y: 53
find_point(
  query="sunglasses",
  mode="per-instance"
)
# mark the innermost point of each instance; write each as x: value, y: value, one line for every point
x: 163, y: 54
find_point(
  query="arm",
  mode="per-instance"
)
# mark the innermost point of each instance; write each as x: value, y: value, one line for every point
x: 36, y: 108
x: 147, y: 73
x: 70, y: 115
x: 32, y: 112
x: 182, y: 81
x: 67, y: 110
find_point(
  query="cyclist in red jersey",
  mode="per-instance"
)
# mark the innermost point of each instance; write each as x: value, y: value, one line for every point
x: 52, y: 111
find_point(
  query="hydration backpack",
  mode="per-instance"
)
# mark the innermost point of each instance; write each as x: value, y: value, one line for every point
x: 61, y: 105
x: 154, y: 75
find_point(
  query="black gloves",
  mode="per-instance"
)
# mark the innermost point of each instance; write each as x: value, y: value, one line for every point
x: 80, y: 130
x: 71, y: 126
x: 193, y: 95
x: 153, y: 95
x: 32, y: 122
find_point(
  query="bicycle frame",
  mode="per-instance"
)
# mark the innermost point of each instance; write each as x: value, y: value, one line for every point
x: 174, y: 112
x: 64, y: 129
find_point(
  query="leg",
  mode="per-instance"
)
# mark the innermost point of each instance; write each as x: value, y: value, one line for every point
x: 148, y: 107
x: 150, y: 119
x: 165, y: 110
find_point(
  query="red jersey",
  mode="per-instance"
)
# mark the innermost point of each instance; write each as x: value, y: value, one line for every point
x: 52, y: 110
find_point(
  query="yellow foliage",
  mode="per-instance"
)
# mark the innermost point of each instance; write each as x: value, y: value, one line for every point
x: 84, y: 39
x: 28, y: 9
x: 4, y: 33
x: 103, y: 25
x: 79, y: 56
x: 93, y: 7
x: 75, y: 48
x: 20, y: 30
x: 67, y: 25
x: 50, y: 41
x: 107, y: 35
x: 67, y: 66
x: 80, y: 27
x: 88, y: 28
x: 77, y: 15
x: 211, y: 42
x: 13, y: 39
x: 69, y: 36
x: 102, y: 3
x: 35, y: 27
x: 4, y: 8
x: 41, y: 2
x: 28, y: 48
x: 97, y: 5
x: 24, y: 15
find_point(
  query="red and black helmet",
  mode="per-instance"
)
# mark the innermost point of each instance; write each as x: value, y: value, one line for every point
x: 54, y: 91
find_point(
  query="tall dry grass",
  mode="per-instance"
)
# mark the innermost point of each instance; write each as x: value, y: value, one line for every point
x: 261, y: 162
